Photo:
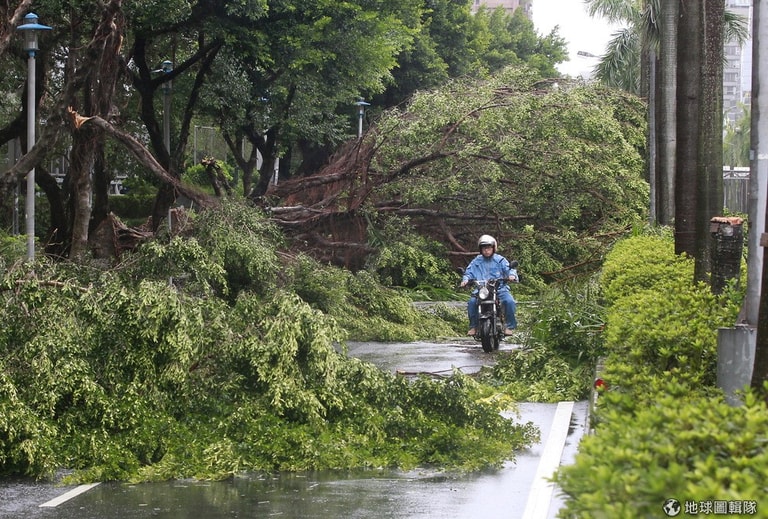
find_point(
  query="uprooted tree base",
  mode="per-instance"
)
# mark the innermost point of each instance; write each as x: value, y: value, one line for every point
x: 326, y: 216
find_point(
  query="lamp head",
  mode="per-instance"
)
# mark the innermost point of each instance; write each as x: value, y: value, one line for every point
x: 31, y: 29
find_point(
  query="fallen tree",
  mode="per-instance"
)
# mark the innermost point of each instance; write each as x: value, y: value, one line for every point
x: 552, y: 169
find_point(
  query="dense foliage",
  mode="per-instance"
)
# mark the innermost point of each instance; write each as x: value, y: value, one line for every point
x: 216, y: 353
x: 554, y: 170
x: 662, y: 429
x: 275, y: 81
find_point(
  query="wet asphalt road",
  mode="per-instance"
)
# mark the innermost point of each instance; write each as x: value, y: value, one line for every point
x: 427, y: 357
x: 383, y: 494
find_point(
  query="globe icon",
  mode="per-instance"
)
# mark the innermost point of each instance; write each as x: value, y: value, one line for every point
x: 671, y: 507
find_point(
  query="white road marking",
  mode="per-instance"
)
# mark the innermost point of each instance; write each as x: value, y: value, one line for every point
x: 540, y: 496
x: 68, y: 495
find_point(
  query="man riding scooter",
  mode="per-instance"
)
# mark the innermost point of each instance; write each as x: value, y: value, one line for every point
x: 489, y: 265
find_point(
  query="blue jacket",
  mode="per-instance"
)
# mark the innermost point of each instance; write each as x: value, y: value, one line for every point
x: 482, y: 268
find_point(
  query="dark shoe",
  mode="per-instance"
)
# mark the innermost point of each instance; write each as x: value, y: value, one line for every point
x: 509, y: 331
x: 472, y: 332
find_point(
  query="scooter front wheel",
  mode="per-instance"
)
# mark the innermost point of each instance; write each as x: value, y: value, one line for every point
x: 487, y: 335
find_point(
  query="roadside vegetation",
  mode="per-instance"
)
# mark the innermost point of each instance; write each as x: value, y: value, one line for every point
x: 130, y: 352
x: 218, y: 350
x: 662, y: 428
x: 215, y: 352
x: 561, y: 337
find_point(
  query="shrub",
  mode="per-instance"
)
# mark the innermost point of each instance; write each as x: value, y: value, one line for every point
x: 12, y: 249
x: 662, y: 430
x: 134, y: 208
x: 321, y: 286
x: 407, y: 259
x: 657, y: 316
x: 690, y: 447
x: 672, y: 328
x: 642, y: 262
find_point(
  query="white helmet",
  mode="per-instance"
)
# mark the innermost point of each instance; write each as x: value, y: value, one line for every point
x: 486, y: 239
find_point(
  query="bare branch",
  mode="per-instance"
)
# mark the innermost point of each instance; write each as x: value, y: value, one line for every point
x: 143, y: 156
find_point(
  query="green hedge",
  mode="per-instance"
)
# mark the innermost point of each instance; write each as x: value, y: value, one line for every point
x: 662, y: 429
x: 642, y: 262
x: 692, y: 448
x: 132, y: 207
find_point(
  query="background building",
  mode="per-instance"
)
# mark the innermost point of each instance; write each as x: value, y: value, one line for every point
x: 737, y: 70
x: 509, y: 5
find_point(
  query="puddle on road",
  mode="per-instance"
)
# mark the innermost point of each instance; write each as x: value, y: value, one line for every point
x: 383, y: 494
x: 426, y: 357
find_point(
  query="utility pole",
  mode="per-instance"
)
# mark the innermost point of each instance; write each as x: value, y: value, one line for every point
x: 742, y: 351
x: 757, y: 286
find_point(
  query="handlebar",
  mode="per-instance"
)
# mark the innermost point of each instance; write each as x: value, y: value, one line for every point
x: 480, y: 282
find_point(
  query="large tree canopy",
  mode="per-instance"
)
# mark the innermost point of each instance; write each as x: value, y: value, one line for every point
x: 278, y: 78
x: 548, y: 167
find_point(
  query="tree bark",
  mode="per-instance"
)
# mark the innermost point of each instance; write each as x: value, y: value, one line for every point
x: 666, y: 110
x: 80, y: 185
x: 756, y: 301
x: 246, y: 164
x: 97, y: 94
x: 710, y: 193
x: 688, y: 169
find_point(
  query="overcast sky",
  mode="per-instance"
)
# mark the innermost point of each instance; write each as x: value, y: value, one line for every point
x: 581, y: 32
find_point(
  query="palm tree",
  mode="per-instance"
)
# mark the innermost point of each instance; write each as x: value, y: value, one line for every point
x: 641, y: 58
x: 621, y: 65
x: 685, y: 189
x: 667, y: 113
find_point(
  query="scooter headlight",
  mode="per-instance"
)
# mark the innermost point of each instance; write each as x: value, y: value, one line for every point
x: 483, y: 293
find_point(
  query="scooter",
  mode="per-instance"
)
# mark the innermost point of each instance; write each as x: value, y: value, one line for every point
x: 490, y: 329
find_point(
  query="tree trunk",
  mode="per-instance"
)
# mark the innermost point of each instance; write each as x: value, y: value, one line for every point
x: 246, y: 164
x: 667, y: 116
x: 57, y: 237
x: 711, y: 137
x: 147, y: 86
x: 756, y: 301
x: 80, y: 195
x: 98, y: 91
x: 102, y: 181
x: 687, y: 166
x: 652, y: 157
x: 760, y: 366
x: 104, y: 85
x: 269, y: 156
